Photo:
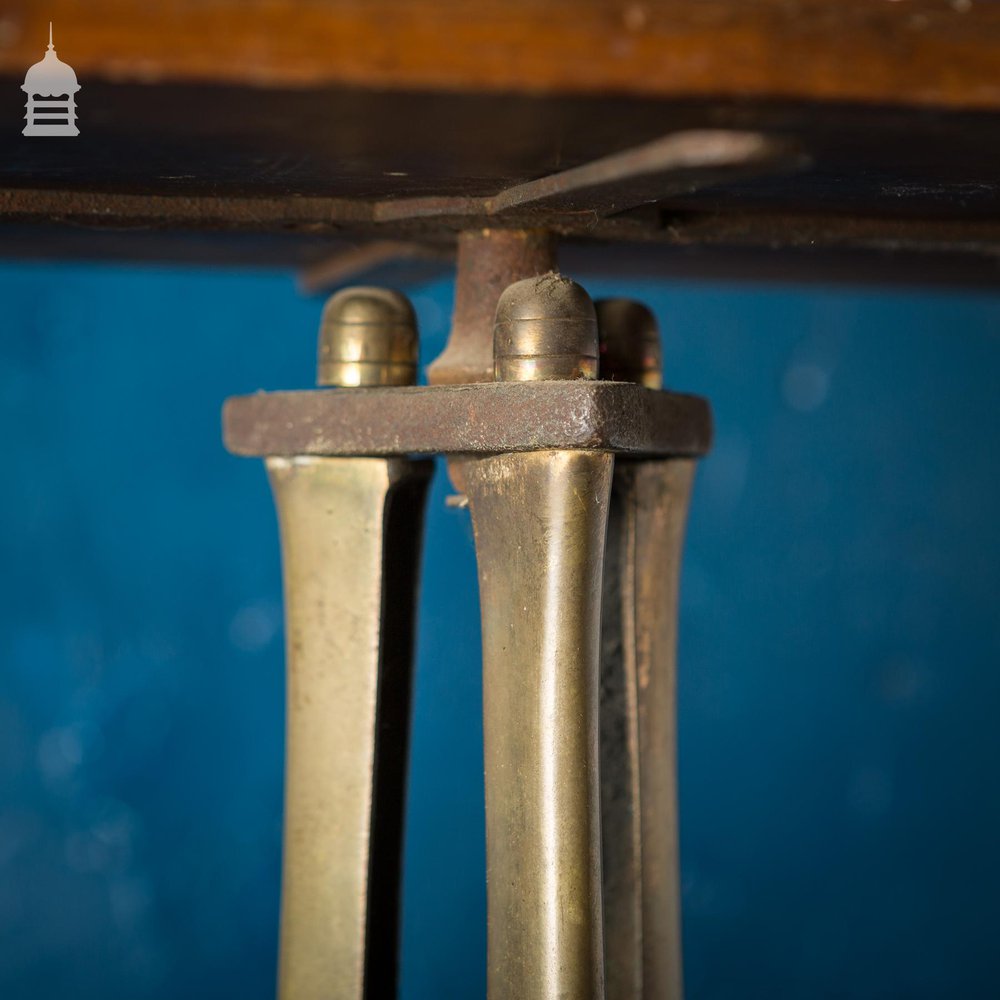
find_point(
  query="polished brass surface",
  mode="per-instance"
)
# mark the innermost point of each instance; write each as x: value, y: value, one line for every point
x: 368, y: 336
x: 350, y: 540
x: 649, y: 503
x: 349, y: 536
x: 539, y: 521
x: 545, y: 329
x: 629, y: 343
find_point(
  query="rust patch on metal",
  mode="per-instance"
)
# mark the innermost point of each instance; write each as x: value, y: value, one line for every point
x: 489, y: 418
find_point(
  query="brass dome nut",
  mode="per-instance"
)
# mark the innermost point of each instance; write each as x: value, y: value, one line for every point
x: 630, y: 343
x: 367, y: 336
x: 545, y: 329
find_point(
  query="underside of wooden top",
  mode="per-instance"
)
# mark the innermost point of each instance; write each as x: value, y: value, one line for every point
x: 280, y: 131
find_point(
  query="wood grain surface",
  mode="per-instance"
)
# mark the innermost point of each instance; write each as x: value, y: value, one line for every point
x: 940, y: 53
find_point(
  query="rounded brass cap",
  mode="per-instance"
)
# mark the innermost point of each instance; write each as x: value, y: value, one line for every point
x: 367, y: 336
x: 545, y: 328
x: 630, y: 343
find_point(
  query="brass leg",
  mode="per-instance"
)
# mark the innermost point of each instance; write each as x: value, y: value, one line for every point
x: 350, y: 539
x: 539, y: 521
x: 350, y: 531
x: 638, y: 729
x: 649, y: 503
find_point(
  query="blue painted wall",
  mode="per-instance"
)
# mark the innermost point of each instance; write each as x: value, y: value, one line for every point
x: 839, y: 656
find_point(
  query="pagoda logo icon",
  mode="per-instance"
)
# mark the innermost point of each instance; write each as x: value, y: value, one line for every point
x: 51, y: 88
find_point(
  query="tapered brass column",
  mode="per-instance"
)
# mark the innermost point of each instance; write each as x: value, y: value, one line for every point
x: 649, y: 503
x: 539, y: 520
x: 350, y: 531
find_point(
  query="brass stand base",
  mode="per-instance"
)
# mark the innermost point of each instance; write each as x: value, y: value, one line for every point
x: 578, y: 490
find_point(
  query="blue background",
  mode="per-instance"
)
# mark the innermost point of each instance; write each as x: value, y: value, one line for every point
x: 839, y: 655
